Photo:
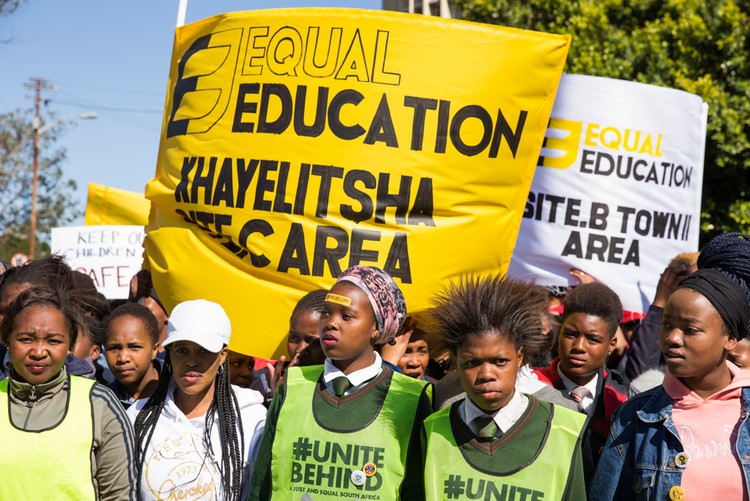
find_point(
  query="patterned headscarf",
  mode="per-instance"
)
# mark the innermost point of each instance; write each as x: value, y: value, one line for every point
x: 386, y: 298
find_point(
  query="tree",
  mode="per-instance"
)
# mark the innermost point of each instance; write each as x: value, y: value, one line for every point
x: 700, y: 46
x: 55, y: 202
x: 8, y: 6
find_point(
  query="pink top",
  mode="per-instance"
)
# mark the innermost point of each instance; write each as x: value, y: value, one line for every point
x: 708, y: 431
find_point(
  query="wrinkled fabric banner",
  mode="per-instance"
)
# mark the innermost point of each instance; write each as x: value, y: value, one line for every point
x: 297, y: 143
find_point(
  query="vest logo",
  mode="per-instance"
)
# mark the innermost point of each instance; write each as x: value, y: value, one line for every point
x: 205, y: 76
x: 561, y: 141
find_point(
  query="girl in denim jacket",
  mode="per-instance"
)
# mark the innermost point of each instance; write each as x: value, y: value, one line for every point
x: 690, y: 437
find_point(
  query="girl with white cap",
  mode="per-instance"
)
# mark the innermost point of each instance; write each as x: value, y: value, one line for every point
x: 197, y: 435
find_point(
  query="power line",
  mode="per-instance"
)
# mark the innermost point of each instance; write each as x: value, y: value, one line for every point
x: 100, y: 107
x: 113, y: 90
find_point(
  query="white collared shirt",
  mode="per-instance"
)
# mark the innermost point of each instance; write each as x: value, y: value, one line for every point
x: 357, y: 378
x: 504, y: 418
x: 587, y: 402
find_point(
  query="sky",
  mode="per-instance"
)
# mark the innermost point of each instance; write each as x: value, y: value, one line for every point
x: 113, y: 60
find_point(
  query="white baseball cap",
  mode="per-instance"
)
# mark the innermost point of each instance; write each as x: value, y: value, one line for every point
x: 200, y: 321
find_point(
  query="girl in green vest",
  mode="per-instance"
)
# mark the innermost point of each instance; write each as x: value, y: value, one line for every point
x: 64, y: 437
x: 349, y: 428
x: 498, y: 443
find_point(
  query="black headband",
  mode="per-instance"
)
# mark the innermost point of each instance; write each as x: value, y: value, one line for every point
x: 725, y: 295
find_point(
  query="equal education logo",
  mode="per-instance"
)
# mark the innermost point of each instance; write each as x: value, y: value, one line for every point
x: 611, y: 151
x: 204, y: 82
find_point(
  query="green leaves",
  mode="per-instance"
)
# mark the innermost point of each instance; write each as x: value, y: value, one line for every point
x: 55, y: 202
x: 700, y: 46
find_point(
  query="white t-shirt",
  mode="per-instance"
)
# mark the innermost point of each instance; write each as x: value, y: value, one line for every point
x: 177, y: 465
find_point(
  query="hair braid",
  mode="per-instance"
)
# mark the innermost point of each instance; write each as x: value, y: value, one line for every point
x: 145, y: 422
x: 227, y: 407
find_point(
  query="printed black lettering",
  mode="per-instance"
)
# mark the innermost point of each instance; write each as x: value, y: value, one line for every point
x: 441, y: 137
x: 382, y: 128
x: 181, y: 191
x: 357, y: 254
x: 224, y: 191
x: 503, y: 130
x: 397, y: 264
x: 573, y: 246
x: 626, y: 213
x: 420, y: 105
x: 354, y: 63
x: 244, y: 177
x: 284, y: 98
x: 319, y: 123
x: 294, y: 254
x: 598, y: 216
x: 572, y: 211
x: 597, y: 246
x: 340, y: 130
x: 301, y: 194
x: 265, y: 185
x: 554, y: 201
x: 238, y: 125
x: 643, y: 222
x: 206, y: 182
x: 351, y: 190
x: 255, y: 226
x: 471, y: 111
x: 399, y: 200
x: 329, y: 255
x: 326, y: 173
x: 421, y: 211
x: 280, y: 205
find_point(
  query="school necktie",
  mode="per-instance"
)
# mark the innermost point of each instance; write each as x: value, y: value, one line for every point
x: 578, y: 394
x: 340, y: 385
x: 487, y: 429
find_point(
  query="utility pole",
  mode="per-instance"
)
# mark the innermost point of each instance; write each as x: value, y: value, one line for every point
x: 38, y: 84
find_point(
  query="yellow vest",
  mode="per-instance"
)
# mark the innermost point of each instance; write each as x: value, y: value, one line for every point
x: 53, y: 463
x: 365, y: 464
x: 448, y: 474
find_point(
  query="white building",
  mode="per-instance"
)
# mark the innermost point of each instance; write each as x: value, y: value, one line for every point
x: 442, y: 8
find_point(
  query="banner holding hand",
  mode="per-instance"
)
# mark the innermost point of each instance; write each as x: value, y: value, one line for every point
x: 297, y: 143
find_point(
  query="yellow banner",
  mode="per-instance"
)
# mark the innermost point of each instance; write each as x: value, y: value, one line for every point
x: 112, y: 206
x: 297, y: 143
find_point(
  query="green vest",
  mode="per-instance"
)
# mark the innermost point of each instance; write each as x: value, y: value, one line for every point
x: 53, y: 463
x: 450, y: 475
x: 368, y: 463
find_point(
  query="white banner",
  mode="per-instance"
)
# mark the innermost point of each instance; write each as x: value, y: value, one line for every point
x: 618, y: 190
x: 110, y: 255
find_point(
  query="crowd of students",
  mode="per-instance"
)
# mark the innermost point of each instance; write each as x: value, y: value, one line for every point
x: 497, y: 392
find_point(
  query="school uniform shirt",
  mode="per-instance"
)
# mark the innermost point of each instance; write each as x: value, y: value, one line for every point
x: 588, y: 402
x: 358, y: 379
x: 177, y: 464
x: 504, y: 418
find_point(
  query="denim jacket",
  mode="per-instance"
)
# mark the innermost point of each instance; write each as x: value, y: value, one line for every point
x: 638, y: 461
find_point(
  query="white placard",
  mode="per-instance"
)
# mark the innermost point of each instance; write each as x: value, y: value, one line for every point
x: 618, y: 189
x: 110, y: 255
